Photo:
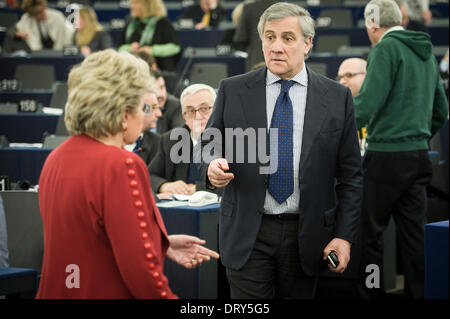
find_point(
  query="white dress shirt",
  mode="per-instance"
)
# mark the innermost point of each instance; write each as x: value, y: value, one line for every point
x: 297, y: 94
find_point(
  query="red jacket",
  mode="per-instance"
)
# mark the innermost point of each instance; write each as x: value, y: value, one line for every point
x: 102, y: 228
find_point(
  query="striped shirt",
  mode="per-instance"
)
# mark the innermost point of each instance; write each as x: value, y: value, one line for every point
x: 297, y: 94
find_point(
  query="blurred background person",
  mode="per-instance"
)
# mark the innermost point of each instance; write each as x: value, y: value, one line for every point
x: 228, y: 35
x: 419, y: 14
x: 149, y: 30
x: 197, y: 102
x: 207, y: 13
x: 246, y: 35
x: 90, y: 36
x: 95, y: 199
x: 146, y: 146
x: 170, y: 106
x: 351, y: 74
x: 42, y: 27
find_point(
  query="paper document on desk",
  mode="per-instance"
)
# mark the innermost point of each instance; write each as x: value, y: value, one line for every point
x: 172, y: 203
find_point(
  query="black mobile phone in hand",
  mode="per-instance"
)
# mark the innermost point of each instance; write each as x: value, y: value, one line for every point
x: 333, y: 259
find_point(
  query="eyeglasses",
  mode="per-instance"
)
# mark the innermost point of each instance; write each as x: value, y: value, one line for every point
x: 148, y: 109
x: 348, y: 75
x: 204, y: 110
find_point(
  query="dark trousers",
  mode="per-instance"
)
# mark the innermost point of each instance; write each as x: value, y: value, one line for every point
x: 395, y: 185
x: 273, y: 269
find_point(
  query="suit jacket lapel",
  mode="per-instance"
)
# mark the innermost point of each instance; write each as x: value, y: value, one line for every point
x: 315, y: 113
x: 253, y: 100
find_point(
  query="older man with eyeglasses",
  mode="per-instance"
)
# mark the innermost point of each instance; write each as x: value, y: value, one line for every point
x: 168, y: 176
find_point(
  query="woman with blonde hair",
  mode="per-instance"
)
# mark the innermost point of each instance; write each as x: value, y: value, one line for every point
x: 90, y: 36
x: 149, y: 30
x: 103, y: 233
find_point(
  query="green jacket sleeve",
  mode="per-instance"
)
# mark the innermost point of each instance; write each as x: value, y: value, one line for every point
x: 440, y: 108
x: 379, y: 79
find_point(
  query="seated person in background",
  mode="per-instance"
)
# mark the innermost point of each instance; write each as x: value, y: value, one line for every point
x: 146, y: 146
x: 90, y: 36
x: 97, y: 209
x: 150, y: 59
x: 197, y: 102
x: 149, y: 30
x: 227, y: 38
x: 170, y: 106
x: 42, y: 27
x: 208, y: 13
x: 351, y: 74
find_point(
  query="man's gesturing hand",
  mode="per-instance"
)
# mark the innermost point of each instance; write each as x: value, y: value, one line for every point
x: 216, y: 173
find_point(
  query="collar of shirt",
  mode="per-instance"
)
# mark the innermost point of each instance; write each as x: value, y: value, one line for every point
x: 395, y: 28
x: 300, y: 78
x: 130, y: 147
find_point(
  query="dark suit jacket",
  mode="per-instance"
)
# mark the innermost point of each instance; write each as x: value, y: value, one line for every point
x: 246, y: 35
x: 330, y: 169
x: 171, y: 115
x: 149, y: 147
x: 163, y: 170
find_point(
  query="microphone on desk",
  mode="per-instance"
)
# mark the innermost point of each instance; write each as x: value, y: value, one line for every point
x: 186, y: 67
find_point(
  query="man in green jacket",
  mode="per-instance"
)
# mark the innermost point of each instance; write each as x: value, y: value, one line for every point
x: 403, y: 104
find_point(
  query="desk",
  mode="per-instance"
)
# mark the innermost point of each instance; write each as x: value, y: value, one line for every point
x: 43, y: 96
x: 203, y: 223
x: 436, y: 260
x: 22, y: 163
x: 62, y: 65
x: 27, y: 127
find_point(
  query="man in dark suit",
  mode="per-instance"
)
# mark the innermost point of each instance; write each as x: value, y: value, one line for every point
x: 170, y: 106
x: 277, y: 229
x: 170, y: 175
x: 246, y: 33
x: 146, y: 146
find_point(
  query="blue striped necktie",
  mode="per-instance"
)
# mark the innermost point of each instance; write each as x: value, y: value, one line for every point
x: 281, y: 183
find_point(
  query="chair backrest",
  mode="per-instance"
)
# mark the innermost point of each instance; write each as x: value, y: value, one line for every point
x: 331, y: 2
x: 355, y: 51
x: 340, y: 18
x: 61, y: 129
x: 35, y: 77
x: 59, y: 97
x: 8, y: 108
x: 208, y: 73
x: 25, y: 230
x: 331, y: 43
x: 320, y: 68
x: 439, y: 22
x: 53, y: 141
x: 8, y: 19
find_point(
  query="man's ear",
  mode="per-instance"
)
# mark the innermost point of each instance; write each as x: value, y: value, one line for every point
x: 308, y: 43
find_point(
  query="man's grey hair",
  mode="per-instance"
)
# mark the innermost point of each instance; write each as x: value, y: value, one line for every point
x: 283, y: 10
x: 384, y: 13
x: 194, y: 88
